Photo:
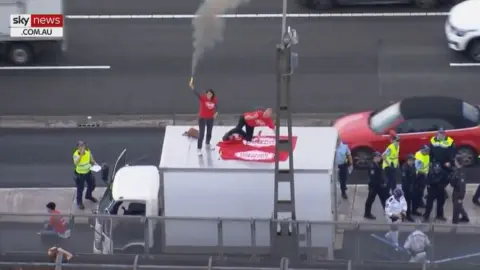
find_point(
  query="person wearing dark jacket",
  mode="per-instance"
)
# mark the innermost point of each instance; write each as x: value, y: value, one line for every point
x: 206, y: 117
x: 437, y: 181
x: 442, y: 150
x: 251, y: 120
x: 408, y: 180
x: 376, y: 185
x: 457, y: 181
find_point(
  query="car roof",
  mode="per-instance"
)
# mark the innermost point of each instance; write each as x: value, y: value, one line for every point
x: 431, y: 106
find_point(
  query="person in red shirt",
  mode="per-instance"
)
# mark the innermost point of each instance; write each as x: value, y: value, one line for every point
x: 56, y: 224
x: 206, y: 117
x: 250, y: 120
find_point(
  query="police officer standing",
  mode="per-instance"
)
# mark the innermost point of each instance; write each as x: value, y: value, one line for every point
x: 408, y: 180
x: 457, y: 181
x: 422, y: 166
x: 442, y: 150
x: 344, y: 162
x: 376, y: 185
x: 390, y: 162
x: 83, y: 161
x: 416, y: 244
x: 436, y: 182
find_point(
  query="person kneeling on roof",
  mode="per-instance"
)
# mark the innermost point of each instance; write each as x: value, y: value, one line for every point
x: 250, y: 120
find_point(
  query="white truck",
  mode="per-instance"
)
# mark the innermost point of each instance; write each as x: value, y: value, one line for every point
x: 22, y: 50
x: 210, y: 202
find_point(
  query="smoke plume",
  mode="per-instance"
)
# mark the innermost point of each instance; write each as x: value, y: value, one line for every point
x: 208, y: 29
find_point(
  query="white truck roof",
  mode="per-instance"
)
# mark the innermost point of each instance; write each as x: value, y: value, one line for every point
x: 314, y: 151
x: 136, y: 183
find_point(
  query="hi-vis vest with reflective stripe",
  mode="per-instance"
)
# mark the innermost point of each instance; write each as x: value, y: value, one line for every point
x: 425, y: 159
x: 84, y: 165
x: 443, y: 143
x: 392, y: 157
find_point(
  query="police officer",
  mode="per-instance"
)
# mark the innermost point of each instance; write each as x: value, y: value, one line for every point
x: 345, y: 165
x: 408, y: 180
x: 422, y: 166
x: 395, y: 212
x: 436, y: 182
x: 442, y: 150
x: 457, y: 181
x: 83, y: 161
x: 416, y: 244
x: 390, y: 162
x: 376, y: 185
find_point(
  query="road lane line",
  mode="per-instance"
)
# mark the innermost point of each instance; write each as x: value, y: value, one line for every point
x: 465, y: 64
x: 54, y: 67
x: 263, y: 16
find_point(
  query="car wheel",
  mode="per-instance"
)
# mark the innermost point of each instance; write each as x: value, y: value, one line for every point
x: 321, y: 4
x: 20, y: 54
x: 362, y: 157
x: 473, y: 50
x: 467, y: 155
x: 425, y: 4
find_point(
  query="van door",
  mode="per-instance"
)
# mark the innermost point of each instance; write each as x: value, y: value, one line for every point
x: 107, y: 245
x: 120, y: 163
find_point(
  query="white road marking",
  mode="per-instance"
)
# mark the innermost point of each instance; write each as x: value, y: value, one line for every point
x: 264, y: 16
x: 54, y: 67
x: 465, y: 64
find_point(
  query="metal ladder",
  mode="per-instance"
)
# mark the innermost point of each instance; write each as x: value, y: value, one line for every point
x: 284, y: 208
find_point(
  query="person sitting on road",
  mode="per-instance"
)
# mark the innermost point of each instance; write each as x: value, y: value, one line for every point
x: 56, y: 225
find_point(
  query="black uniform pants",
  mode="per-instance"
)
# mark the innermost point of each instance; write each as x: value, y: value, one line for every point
x: 80, y: 180
x: 458, y: 210
x: 373, y: 192
x: 342, y: 176
x: 435, y: 193
x: 202, y: 124
x: 247, y: 134
x: 391, y: 173
x: 418, y: 190
x: 408, y: 194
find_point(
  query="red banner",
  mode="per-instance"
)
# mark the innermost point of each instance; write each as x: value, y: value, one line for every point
x: 260, y: 149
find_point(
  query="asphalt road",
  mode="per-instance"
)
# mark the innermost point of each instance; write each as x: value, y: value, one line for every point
x: 42, y: 158
x: 346, y: 64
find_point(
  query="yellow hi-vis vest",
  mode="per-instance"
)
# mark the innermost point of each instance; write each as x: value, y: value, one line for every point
x: 84, y: 165
x: 392, y: 157
x: 425, y: 159
x: 443, y: 143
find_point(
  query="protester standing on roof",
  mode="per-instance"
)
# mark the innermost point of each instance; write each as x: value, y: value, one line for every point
x: 251, y: 120
x: 206, y: 117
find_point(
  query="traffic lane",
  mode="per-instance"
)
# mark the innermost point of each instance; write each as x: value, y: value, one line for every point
x: 42, y: 157
x: 357, y: 69
x: 126, y: 7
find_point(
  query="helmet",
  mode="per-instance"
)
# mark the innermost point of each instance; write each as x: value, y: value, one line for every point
x: 397, y: 193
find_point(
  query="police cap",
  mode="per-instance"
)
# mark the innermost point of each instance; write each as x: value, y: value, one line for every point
x: 410, y: 157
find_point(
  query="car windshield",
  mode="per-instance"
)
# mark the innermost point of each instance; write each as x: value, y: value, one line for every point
x: 381, y: 120
x: 472, y: 113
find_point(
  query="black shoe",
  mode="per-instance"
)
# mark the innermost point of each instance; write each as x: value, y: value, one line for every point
x: 81, y: 206
x: 344, y: 195
x: 476, y: 202
x: 440, y: 218
x: 92, y: 199
x: 464, y: 219
x: 369, y: 216
x: 410, y: 219
x: 416, y: 213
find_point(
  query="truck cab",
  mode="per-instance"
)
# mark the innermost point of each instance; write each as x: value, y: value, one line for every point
x: 133, y: 193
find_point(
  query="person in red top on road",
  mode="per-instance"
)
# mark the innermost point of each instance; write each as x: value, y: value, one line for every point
x: 56, y: 224
x: 250, y: 120
x: 206, y: 117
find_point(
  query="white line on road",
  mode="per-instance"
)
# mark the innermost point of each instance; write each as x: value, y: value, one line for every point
x: 465, y: 64
x: 54, y: 67
x: 264, y: 16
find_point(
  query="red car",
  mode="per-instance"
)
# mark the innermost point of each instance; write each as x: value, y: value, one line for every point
x: 416, y: 121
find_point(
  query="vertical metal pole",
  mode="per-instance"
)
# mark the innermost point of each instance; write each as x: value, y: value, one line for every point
x: 284, y: 208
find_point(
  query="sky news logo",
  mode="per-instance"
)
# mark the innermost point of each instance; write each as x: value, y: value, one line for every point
x: 36, y: 25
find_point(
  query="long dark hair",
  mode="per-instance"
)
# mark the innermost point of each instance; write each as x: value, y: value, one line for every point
x: 210, y: 90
